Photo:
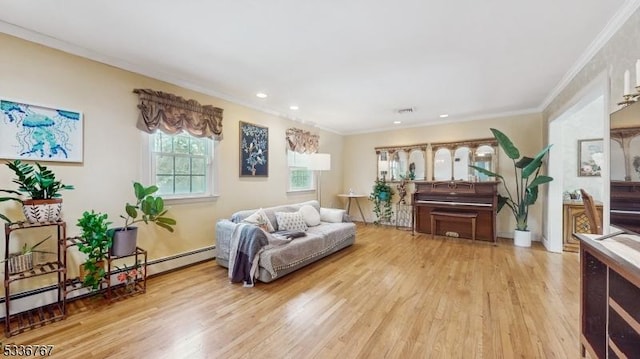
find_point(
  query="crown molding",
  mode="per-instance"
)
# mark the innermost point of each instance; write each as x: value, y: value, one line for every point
x: 614, y: 24
x: 148, y: 71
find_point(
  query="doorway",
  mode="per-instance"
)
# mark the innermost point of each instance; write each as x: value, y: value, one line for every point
x: 586, y: 118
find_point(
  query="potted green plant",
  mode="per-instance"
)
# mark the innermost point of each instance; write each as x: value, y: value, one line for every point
x: 95, y: 243
x: 41, y: 185
x: 148, y: 208
x: 23, y: 260
x: 381, y: 198
x: 524, y: 192
x: 14, y: 198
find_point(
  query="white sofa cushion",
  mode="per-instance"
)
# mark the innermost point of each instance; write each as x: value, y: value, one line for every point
x: 310, y: 215
x: 291, y: 221
x: 258, y: 218
x: 332, y: 215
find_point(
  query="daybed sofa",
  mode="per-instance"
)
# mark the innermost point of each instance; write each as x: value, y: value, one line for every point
x: 333, y: 232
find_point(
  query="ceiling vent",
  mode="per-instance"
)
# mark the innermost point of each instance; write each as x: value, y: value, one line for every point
x: 406, y: 110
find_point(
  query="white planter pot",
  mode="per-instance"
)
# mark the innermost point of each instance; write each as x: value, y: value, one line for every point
x: 42, y: 210
x: 20, y: 262
x: 522, y: 238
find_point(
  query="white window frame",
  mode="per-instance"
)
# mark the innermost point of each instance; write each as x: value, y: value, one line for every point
x: 296, y: 163
x: 149, y: 170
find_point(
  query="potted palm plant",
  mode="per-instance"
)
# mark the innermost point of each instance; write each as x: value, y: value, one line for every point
x: 381, y: 198
x: 95, y: 243
x: 41, y: 185
x: 524, y: 192
x: 148, y: 208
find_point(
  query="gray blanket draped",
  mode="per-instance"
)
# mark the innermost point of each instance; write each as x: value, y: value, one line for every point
x: 246, y: 243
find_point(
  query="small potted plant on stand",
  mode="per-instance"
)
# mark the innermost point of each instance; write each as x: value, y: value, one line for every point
x: 23, y: 260
x: 381, y: 198
x: 96, y: 241
x: 148, y: 208
x: 40, y: 183
x: 527, y: 181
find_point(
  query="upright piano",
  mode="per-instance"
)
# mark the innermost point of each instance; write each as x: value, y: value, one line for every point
x: 480, y: 198
x: 625, y: 205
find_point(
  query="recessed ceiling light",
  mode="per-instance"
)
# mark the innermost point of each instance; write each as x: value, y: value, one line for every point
x: 293, y: 107
x: 444, y: 115
x: 397, y: 122
x: 261, y: 95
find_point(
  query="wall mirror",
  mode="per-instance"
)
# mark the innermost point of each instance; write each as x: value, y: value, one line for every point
x: 417, y: 165
x: 398, y: 162
x: 451, y: 160
x: 442, y: 164
x: 624, y: 167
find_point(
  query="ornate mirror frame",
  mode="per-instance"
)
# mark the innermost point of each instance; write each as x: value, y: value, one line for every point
x: 394, y: 162
x: 458, y: 157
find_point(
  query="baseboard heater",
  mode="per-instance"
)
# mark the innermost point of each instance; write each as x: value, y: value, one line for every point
x: 31, y: 299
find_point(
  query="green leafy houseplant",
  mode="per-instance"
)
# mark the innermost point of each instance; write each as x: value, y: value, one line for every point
x: 527, y: 180
x: 381, y: 198
x: 41, y: 185
x: 96, y: 241
x: 39, y: 182
x: 14, y: 197
x: 148, y: 208
x: 23, y: 260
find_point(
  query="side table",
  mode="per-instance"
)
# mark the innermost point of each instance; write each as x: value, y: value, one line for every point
x: 351, y: 196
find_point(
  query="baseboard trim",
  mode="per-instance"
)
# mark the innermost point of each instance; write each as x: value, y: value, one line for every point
x: 30, y: 299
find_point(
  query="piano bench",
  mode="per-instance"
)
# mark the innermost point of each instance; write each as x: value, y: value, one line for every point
x: 453, y: 217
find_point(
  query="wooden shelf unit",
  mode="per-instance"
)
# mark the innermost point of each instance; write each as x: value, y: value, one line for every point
x: 609, y: 306
x: 19, y: 322
x: 120, y: 291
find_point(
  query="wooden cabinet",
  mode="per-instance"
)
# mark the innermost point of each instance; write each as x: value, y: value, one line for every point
x: 575, y: 221
x: 16, y: 323
x: 609, y: 290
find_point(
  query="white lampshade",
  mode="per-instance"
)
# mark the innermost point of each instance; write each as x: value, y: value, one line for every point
x: 320, y: 162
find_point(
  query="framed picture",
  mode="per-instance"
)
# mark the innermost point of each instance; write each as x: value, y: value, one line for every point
x: 590, y: 157
x: 39, y: 133
x: 254, y: 150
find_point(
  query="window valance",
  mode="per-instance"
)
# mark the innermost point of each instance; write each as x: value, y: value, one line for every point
x: 172, y: 114
x: 302, y: 141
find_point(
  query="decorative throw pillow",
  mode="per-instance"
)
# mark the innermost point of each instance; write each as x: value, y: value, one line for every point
x: 291, y: 221
x: 333, y: 215
x: 260, y: 219
x: 310, y: 215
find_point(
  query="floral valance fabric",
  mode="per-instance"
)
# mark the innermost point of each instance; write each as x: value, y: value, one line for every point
x: 173, y: 114
x: 302, y: 141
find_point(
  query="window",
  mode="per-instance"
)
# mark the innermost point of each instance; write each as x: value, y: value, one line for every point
x: 181, y: 165
x: 300, y: 177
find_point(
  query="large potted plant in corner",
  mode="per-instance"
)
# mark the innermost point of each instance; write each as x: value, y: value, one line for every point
x: 527, y: 181
x: 95, y: 243
x: 41, y: 185
x: 381, y: 198
x: 148, y: 208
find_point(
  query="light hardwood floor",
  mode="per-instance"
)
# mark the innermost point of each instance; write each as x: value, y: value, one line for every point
x: 391, y: 295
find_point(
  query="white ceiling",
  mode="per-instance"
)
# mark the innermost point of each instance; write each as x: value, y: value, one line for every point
x: 349, y: 65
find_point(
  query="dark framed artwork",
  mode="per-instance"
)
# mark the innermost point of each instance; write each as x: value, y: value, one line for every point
x: 254, y: 150
x: 590, y: 157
